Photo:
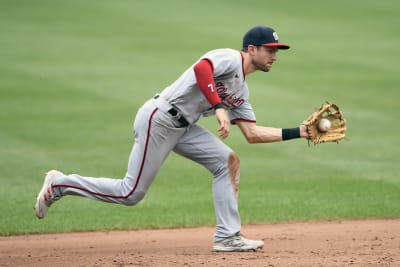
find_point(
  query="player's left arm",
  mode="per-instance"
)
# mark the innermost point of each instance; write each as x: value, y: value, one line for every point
x: 262, y: 134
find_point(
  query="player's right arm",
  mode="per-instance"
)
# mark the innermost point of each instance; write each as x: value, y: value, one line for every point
x: 205, y: 80
x: 203, y: 71
x: 224, y: 123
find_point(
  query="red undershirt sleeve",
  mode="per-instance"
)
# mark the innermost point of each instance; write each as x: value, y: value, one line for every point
x: 203, y: 71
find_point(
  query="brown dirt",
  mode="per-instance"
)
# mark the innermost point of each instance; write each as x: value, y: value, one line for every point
x: 346, y: 243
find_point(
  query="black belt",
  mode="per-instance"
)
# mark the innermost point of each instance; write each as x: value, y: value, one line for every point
x: 182, y: 121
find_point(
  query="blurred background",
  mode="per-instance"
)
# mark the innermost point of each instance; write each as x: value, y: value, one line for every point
x: 73, y: 74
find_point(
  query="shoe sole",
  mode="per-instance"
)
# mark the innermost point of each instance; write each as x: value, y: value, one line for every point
x: 236, y: 249
x: 39, y: 199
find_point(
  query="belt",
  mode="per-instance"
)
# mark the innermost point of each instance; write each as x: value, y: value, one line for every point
x: 175, y: 113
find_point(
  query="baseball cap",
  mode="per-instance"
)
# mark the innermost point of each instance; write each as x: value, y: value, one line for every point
x: 262, y: 36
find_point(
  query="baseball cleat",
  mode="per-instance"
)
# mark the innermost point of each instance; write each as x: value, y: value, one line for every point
x: 237, y: 243
x: 46, y: 196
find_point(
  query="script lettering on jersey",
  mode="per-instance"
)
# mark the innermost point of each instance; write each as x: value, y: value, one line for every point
x: 227, y: 99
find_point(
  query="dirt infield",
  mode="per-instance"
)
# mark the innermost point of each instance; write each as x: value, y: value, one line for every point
x: 346, y: 243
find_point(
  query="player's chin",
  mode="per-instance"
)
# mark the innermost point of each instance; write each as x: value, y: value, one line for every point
x: 267, y: 68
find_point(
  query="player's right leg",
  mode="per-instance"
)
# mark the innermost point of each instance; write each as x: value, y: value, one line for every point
x: 203, y: 147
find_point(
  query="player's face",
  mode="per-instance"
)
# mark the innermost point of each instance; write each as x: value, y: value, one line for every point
x: 264, y: 57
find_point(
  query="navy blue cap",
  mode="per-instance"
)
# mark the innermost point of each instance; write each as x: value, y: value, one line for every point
x: 262, y: 36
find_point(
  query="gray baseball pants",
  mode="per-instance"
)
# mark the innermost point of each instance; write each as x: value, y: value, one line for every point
x: 157, y: 133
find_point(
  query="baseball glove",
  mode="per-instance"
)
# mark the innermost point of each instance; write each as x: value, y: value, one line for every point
x: 337, y: 130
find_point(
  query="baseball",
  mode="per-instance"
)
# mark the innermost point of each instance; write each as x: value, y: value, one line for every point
x: 324, y: 125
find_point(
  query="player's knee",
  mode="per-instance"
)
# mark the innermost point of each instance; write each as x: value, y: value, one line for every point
x: 234, y: 161
x: 135, y: 198
x: 225, y: 165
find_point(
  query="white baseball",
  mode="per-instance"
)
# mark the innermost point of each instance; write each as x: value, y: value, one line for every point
x: 324, y: 125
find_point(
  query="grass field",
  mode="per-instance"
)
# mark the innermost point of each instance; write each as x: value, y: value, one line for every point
x: 73, y: 73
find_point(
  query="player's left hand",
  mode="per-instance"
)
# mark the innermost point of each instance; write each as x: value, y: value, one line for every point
x: 304, y: 131
x: 334, y: 133
x: 224, y: 123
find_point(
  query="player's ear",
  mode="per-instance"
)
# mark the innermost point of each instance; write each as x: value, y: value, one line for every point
x: 251, y: 49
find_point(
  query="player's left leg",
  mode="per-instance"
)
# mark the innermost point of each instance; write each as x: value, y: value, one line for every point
x: 155, y: 137
x: 203, y: 147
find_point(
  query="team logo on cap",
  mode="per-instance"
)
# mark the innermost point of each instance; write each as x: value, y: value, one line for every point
x: 275, y: 36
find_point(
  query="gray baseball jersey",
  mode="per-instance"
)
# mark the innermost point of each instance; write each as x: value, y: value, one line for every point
x: 168, y: 123
x: 230, y: 82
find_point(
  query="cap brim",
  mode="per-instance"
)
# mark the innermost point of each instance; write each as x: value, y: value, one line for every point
x: 279, y: 45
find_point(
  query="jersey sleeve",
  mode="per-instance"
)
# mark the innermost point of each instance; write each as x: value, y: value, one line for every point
x: 203, y: 71
x: 244, y: 112
x: 223, y: 62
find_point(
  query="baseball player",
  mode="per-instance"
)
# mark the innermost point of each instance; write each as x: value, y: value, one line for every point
x: 214, y: 85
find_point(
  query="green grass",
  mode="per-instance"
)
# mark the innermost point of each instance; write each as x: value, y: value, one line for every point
x: 73, y: 73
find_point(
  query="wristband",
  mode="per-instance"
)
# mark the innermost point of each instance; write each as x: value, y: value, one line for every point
x: 217, y: 106
x: 290, y: 133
